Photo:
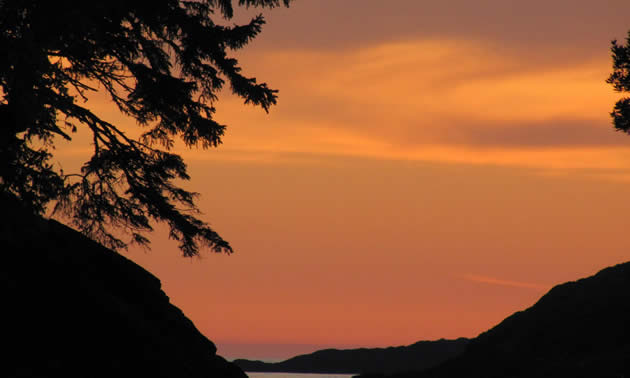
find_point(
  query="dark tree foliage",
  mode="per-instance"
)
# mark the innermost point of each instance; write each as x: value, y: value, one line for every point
x: 620, y: 79
x: 162, y: 62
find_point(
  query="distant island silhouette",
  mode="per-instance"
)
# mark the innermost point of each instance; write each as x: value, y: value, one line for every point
x: 421, y: 355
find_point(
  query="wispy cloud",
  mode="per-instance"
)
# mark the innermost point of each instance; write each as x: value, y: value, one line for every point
x: 500, y: 282
x: 441, y: 100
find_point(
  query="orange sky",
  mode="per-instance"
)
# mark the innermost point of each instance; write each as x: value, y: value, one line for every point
x: 429, y: 170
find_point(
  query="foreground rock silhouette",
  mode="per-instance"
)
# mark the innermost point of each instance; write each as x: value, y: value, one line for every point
x: 72, y: 308
x: 578, y: 329
x: 421, y: 355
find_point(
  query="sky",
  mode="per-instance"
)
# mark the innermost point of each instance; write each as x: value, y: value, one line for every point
x: 430, y: 168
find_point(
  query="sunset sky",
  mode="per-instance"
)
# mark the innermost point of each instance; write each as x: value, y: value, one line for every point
x: 431, y: 167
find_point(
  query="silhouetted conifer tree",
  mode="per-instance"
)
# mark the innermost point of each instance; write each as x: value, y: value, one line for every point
x: 620, y: 79
x: 162, y: 63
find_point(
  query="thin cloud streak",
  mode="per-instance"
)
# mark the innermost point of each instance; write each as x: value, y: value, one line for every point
x: 500, y: 282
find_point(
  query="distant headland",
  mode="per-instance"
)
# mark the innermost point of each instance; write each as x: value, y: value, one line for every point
x: 421, y: 355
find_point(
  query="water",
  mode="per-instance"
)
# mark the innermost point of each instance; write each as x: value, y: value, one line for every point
x: 296, y: 375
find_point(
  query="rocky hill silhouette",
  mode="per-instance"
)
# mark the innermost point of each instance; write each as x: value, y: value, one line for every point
x: 421, y: 355
x: 578, y: 329
x: 72, y: 308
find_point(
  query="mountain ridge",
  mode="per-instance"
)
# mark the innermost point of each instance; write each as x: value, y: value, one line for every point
x: 577, y: 329
x: 422, y: 354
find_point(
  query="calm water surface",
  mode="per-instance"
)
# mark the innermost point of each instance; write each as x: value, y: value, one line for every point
x: 296, y: 375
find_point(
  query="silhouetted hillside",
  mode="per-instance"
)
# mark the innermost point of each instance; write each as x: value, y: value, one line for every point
x: 72, y: 308
x: 421, y: 355
x: 578, y: 329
